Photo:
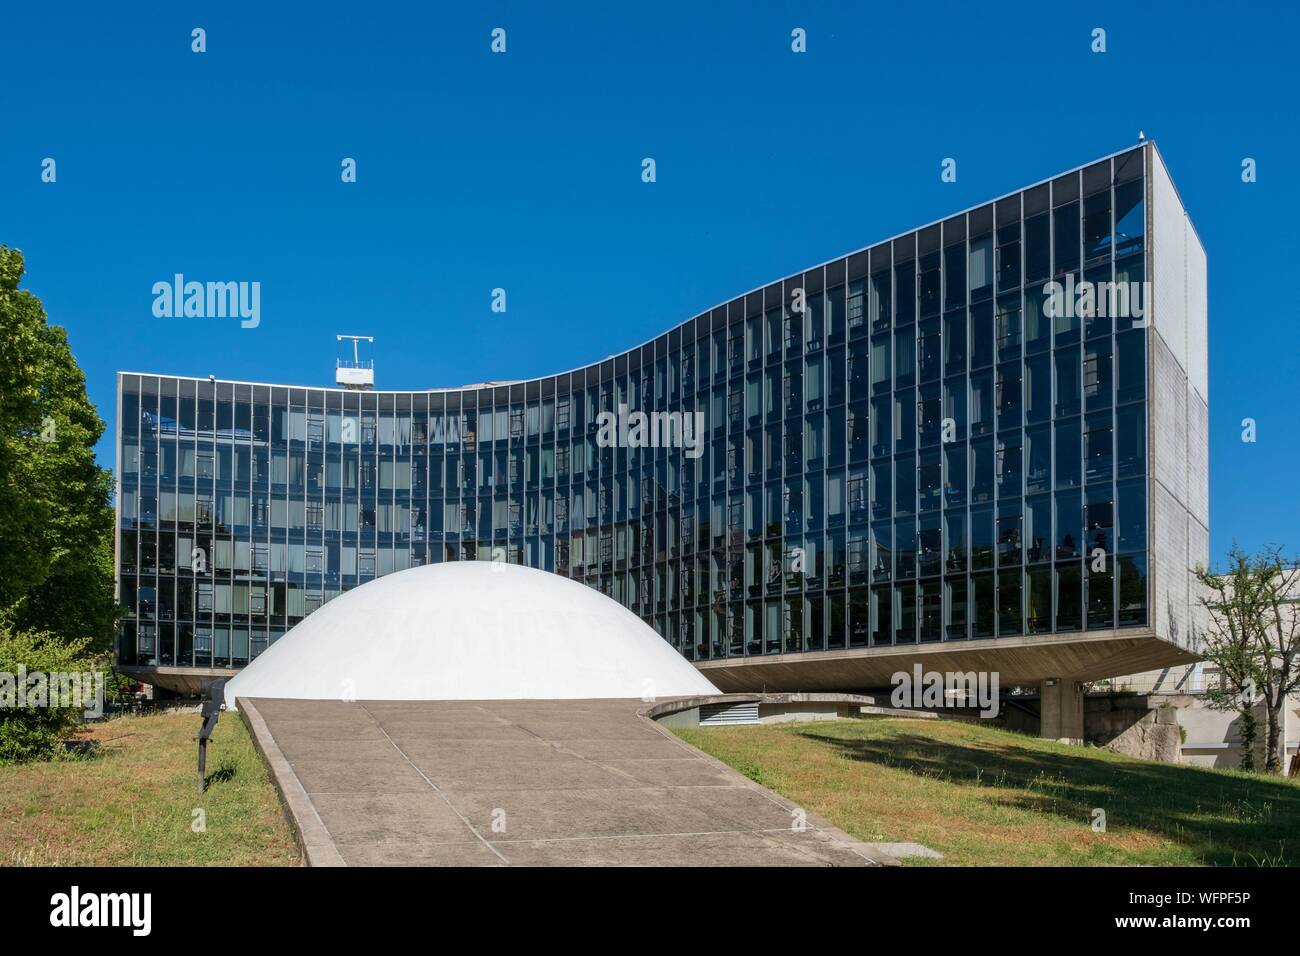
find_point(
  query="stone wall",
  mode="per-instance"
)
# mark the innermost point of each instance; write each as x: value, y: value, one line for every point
x: 1134, y: 725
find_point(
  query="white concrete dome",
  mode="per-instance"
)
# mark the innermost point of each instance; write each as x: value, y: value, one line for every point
x: 470, y: 630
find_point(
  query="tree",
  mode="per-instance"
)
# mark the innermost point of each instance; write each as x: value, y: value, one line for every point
x: 1254, y: 639
x: 56, y: 517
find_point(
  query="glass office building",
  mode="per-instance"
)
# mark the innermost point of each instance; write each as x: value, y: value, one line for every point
x: 906, y: 446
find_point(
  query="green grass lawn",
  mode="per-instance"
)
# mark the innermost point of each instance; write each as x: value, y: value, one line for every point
x: 983, y: 796
x: 132, y: 800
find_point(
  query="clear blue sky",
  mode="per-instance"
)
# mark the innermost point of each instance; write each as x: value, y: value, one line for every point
x: 523, y: 171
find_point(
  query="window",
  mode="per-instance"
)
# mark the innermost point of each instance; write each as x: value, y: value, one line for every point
x: 981, y: 335
x: 1039, y: 616
x: 1096, y: 226
x: 982, y: 470
x: 981, y: 403
x: 1038, y: 528
x: 985, y: 610
x: 1037, y: 248
x: 1068, y: 375
x: 856, y: 304
x: 1010, y: 551
x: 1101, y: 597
x: 1008, y: 257
x: 1038, y: 459
x: 858, y: 496
x: 955, y: 529
x: 1009, y: 612
x: 1069, y: 597
x: 1097, y: 453
x: 1007, y: 328
x: 1132, y: 590
x: 956, y: 621
x: 1130, y: 366
x: 1099, y: 520
x: 929, y: 280
x: 981, y: 528
x: 1097, y: 374
x: 1008, y: 395
x: 1066, y: 219
x: 1130, y: 441
x: 1069, y: 524
x: 980, y: 270
x: 1008, y: 465
x: 1131, y: 514
x: 1130, y: 218
x: 1068, y: 453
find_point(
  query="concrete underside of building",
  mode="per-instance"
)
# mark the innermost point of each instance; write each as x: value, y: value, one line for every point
x: 1016, y: 660
x: 522, y: 782
x: 183, y: 681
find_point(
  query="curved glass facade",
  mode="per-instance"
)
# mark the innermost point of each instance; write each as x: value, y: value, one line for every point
x: 900, y: 446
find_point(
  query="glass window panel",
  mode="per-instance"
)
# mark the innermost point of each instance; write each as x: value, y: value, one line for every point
x: 1130, y: 440
x: 1132, y: 590
x: 1068, y: 454
x: 1069, y: 597
x: 980, y: 270
x: 1038, y: 619
x: 1101, y: 597
x: 1010, y: 616
x: 984, y: 596
x: 1069, y: 524
x: 1130, y: 217
x: 981, y: 537
x: 1131, y: 514
x: 1066, y: 219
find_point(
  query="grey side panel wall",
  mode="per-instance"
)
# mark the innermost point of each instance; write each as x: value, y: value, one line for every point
x: 1180, y: 413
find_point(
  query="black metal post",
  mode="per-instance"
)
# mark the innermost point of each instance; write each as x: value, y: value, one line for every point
x: 213, y: 704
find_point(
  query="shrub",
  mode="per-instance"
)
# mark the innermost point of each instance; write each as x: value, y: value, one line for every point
x: 34, y: 732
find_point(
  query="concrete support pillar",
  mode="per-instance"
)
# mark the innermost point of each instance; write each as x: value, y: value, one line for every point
x: 1061, y: 710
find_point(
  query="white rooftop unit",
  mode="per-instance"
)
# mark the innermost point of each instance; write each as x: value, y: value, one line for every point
x: 355, y: 373
x: 350, y: 376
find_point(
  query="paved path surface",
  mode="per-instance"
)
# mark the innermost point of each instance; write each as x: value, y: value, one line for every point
x: 534, y: 783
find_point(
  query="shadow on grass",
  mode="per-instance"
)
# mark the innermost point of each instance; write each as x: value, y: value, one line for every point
x: 1222, y: 818
x: 223, y: 774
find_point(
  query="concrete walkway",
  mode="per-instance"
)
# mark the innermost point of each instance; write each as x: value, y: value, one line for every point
x: 533, y: 783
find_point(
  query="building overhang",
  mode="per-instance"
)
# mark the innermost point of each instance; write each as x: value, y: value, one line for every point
x: 186, y: 681
x: 1093, y: 655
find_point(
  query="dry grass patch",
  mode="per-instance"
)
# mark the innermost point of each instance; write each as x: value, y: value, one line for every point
x: 132, y: 800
